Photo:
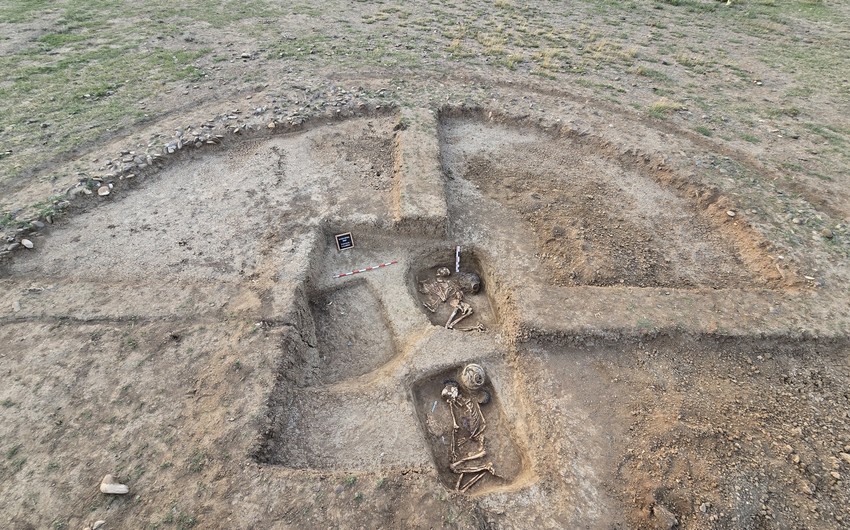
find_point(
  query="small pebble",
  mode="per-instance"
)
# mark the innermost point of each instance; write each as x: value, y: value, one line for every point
x: 103, y: 191
x: 27, y: 243
x: 731, y: 213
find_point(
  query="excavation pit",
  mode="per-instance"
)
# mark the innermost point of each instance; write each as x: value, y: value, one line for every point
x: 436, y: 421
x: 353, y: 335
x: 430, y: 287
x: 338, y: 429
x: 596, y: 217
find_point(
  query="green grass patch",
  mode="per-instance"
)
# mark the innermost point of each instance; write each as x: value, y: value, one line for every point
x: 12, y: 451
x: 694, y: 6
x: 828, y: 133
x: 650, y: 73
x: 703, y: 130
x: 663, y: 107
x: 197, y: 462
x: 23, y: 10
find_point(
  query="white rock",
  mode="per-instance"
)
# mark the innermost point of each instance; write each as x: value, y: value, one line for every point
x: 27, y: 243
x: 112, y: 487
x: 98, y: 524
x: 103, y: 191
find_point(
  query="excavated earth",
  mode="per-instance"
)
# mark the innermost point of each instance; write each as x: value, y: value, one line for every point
x: 653, y: 359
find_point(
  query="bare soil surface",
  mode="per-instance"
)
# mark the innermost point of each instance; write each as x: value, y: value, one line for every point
x: 659, y: 224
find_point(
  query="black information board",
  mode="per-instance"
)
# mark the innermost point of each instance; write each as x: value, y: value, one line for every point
x: 344, y: 241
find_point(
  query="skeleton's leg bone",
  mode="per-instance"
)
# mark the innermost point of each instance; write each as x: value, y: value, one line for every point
x: 459, y: 480
x: 452, y: 324
x: 471, y: 482
x: 480, y: 328
x: 449, y: 321
x: 454, y: 466
x: 488, y: 467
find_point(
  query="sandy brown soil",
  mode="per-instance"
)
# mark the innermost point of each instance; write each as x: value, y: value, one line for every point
x: 663, y: 319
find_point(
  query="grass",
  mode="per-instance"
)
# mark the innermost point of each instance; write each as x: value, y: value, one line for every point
x: 661, y: 108
x: 178, y: 519
x: 89, y: 78
x: 12, y: 451
x: 831, y: 134
x: 652, y: 74
x: 197, y: 462
x: 703, y: 130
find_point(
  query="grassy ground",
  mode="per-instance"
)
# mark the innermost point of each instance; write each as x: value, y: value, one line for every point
x: 76, y: 73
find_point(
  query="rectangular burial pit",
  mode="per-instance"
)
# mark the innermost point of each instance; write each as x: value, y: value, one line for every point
x: 434, y: 291
x: 435, y: 416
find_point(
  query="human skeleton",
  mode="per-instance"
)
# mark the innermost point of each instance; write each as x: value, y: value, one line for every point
x: 465, y: 400
x: 451, y: 289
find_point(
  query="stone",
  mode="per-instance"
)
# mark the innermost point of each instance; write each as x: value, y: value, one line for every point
x: 13, y: 246
x: 827, y: 233
x: 836, y: 475
x: 110, y: 486
x: 98, y: 524
x: 845, y: 457
x: 246, y: 56
x: 38, y: 225
x: 27, y: 243
x: 103, y: 191
x: 665, y: 518
x: 731, y: 213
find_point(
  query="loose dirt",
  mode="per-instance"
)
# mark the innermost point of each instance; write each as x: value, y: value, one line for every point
x: 663, y: 315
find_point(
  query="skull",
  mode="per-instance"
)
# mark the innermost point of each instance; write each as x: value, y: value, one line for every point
x: 450, y: 391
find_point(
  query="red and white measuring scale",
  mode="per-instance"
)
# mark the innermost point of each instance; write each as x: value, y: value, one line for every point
x: 367, y: 269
